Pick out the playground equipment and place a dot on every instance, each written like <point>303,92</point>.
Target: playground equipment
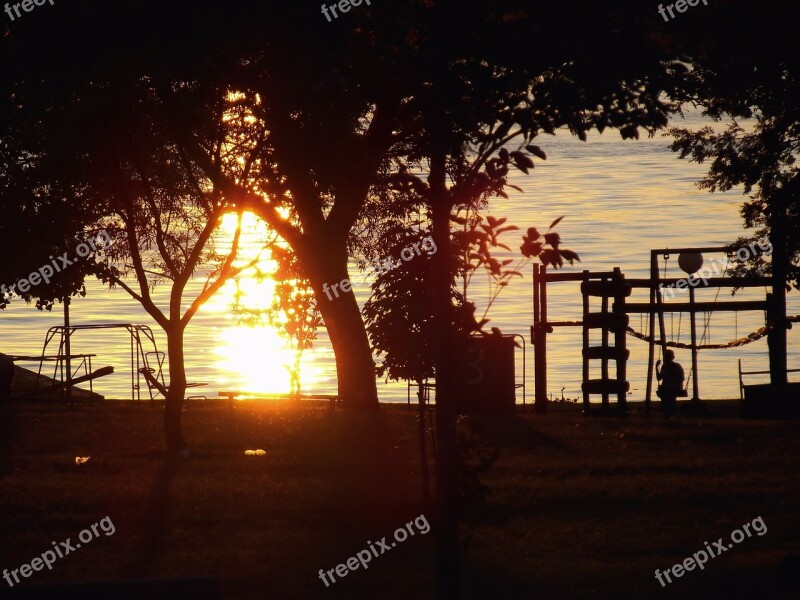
<point>611,319</point>
<point>65,386</point>
<point>139,358</point>
<point>606,287</point>
<point>657,307</point>
<point>613,284</point>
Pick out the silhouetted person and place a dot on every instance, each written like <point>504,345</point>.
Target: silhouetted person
<point>670,378</point>
<point>6,376</point>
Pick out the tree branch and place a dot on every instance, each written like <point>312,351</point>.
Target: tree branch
<point>212,289</point>
<point>156,213</point>
<point>146,302</point>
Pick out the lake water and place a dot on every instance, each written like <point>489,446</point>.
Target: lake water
<point>620,198</point>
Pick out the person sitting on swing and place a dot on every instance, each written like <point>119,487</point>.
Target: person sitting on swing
<point>671,379</point>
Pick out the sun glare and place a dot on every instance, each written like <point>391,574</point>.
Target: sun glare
<point>251,355</point>
<point>259,355</point>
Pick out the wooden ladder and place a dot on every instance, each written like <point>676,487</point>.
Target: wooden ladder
<point>610,319</point>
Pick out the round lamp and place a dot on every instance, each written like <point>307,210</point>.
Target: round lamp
<point>690,262</point>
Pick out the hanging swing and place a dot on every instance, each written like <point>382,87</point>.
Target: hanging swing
<point>683,393</point>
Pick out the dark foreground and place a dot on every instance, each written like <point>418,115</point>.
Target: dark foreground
<point>577,508</point>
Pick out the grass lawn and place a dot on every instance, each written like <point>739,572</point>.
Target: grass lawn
<point>578,507</point>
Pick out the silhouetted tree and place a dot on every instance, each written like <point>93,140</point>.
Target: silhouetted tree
<point>108,148</point>
<point>506,81</point>
<point>746,66</point>
<point>39,220</point>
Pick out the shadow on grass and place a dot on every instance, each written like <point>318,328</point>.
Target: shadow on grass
<point>9,436</point>
<point>515,432</point>
<point>156,515</point>
<point>366,477</point>
<point>482,581</point>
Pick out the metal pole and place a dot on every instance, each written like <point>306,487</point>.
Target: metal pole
<point>534,334</point>
<point>604,344</point>
<point>661,328</point>
<point>540,341</point>
<point>693,321</point>
<point>585,333</point>
<point>651,346</point>
<point>620,340</point>
<point>68,349</point>
<point>535,302</point>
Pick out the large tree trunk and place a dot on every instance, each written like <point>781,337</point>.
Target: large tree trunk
<point>777,339</point>
<point>176,391</point>
<point>355,367</point>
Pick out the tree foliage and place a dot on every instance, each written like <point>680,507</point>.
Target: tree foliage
<point>746,73</point>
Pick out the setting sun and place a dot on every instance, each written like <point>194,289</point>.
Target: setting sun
<point>258,354</point>
<point>250,355</point>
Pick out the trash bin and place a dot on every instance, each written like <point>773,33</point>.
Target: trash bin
<point>489,382</point>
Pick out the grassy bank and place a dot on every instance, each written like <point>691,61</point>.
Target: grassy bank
<point>578,507</point>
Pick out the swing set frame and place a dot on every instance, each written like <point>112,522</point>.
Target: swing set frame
<point>654,308</point>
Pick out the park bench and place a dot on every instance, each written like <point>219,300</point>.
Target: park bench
<point>742,386</point>
<point>231,395</point>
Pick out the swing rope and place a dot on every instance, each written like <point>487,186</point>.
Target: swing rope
<point>666,258</point>
<point>707,315</point>
<point>707,322</point>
